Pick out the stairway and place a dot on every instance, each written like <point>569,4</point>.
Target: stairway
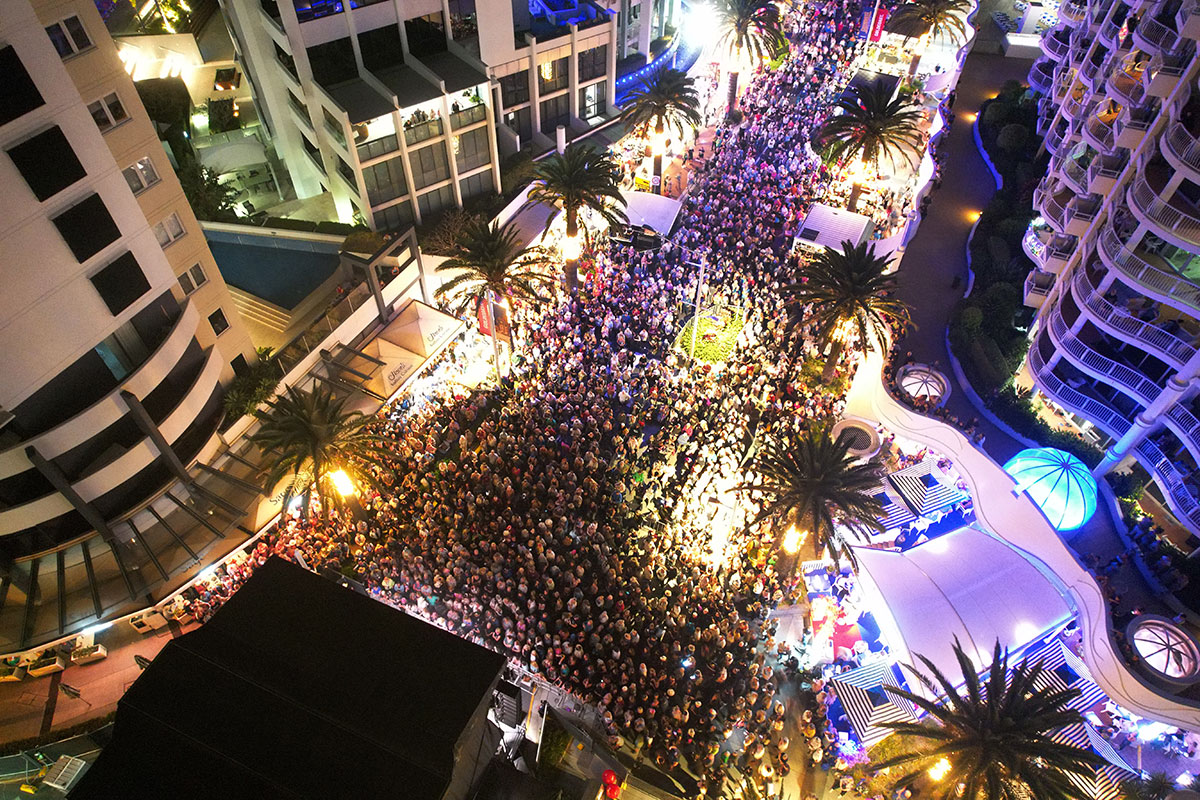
<point>260,311</point>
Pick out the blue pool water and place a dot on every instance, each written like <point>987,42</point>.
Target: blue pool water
<point>279,270</point>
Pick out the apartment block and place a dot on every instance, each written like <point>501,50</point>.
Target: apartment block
<point>1116,345</point>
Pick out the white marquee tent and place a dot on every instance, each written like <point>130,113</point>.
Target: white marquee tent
<point>967,584</point>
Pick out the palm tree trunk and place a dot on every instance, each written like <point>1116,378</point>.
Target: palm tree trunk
<point>831,362</point>
<point>656,182</point>
<point>731,100</point>
<point>495,339</point>
<point>571,267</point>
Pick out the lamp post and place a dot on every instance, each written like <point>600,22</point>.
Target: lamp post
<point>658,148</point>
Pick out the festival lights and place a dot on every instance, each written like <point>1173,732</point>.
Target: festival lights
<point>940,770</point>
<point>341,481</point>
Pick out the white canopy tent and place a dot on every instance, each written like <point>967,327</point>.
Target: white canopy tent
<point>233,156</point>
<point>966,584</point>
<point>411,339</point>
<point>652,210</point>
<point>829,226</point>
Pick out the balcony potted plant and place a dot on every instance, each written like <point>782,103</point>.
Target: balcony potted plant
<point>86,655</point>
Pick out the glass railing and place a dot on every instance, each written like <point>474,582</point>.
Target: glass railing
<point>422,131</point>
<point>468,116</point>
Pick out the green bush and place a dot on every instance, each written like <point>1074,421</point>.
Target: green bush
<point>338,228</point>
<point>555,741</point>
<point>1016,411</point>
<point>999,251</point>
<point>251,386</point>
<point>515,172</point>
<point>971,318</point>
<point>368,242</point>
<point>1013,137</point>
<point>285,224</point>
<point>994,115</point>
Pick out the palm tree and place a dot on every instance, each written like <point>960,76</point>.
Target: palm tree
<point>751,27</point>
<point>996,736</point>
<point>812,481</point>
<point>665,98</point>
<point>580,177</point>
<point>846,292</point>
<point>492,266</point>
<point>931,19</point>
<point>1155,786</point>
<point>868,122</point>
<point>310,436</point>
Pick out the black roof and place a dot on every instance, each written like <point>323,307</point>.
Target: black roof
<point>297,687</point>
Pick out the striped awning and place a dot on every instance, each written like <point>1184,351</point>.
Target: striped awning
<point>925,489</point>
<point>869,705</point>
<point>896,513</point>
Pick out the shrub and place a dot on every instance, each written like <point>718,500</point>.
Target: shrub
<point>515,171</point>
<point>1012,137</point>
<point>1017,412</point>
<point>439,236</point>
<point>221,117</point>
<point>209,198</point>
<point>338,228</point>
<point>998,250</point>
<point>368,242</point>
<point>995,114</point>
<point>970,319</point>
<point>251,386</point>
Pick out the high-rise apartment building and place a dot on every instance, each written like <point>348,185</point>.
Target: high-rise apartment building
<point>1117,338</point>
<point>402,109</point>
<point>117,331</point>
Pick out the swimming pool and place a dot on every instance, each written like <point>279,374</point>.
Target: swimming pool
<point>279,270</point>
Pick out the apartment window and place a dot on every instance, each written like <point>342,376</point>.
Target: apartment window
<point>108,112</point>
<point>141,176</point>
<point>472,149</point>
<point>429,166</point>
<point>121,283</point>
<point>169,230</point>
<point>520,122</point>
<point>193,279</point>
<point>347,173</point>
<point>591,100</point>
<point>514,88</point>
<point>87,227</point>
<point>300,108</point>
<point>385,181</point>
<point>593,63</point>
<point>434,201</point>
<point>47,162</point>
<point>553,75</point>
<point>476,185</point>
<point>334,126</point>
<point>20,95</point>
<point>218,322</point>
<point>555,111</point>
<point>394,217</point>
<point>69,37</point>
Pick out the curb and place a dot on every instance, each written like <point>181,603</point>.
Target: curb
<point>983,152</point>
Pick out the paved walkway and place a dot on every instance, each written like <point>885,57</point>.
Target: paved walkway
<point>937,257</point>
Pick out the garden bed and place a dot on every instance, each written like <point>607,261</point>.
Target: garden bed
<point>716,336</point>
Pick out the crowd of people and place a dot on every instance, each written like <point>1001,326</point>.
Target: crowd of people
<point>566,518</point>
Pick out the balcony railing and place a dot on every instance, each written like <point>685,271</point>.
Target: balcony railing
<point>1149,335</point>
<point>1185,423</point>
<point>1101,134</point>
<point>422,131</point>
<point>1146,274</point>
<point>1166,216</point>
<point>1182,145</point>
<point>468,116</point>
<point>1178,496</point>
<point>1105,416</point>
<point>1144,389</point>
<point>1156,35</point>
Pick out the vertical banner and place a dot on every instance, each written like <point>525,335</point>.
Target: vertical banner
<point>865,29</point>
<point>881,18</point>
<point>481,311</point>
<point>503,329</point>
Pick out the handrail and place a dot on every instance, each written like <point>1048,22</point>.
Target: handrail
<point>1101,131</point>
<point>1181,144</point>
<point>1144,273</point>
<point>1181,499</point>
<point>1152,336</point>
<point>1146,200</point>
<point>1100,413</point>
<point>1124,376</point>
<point>1130,89</point>
<point>1189,426</point>
<point>1158,35</point>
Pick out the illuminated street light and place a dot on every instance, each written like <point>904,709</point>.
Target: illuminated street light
<point>793,539</point>
<point>572,247</point>
<point>341,481</point>
<point>940,770</point>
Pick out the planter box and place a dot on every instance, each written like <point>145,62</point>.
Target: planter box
<point>86,655</point>
<point>12,674</point>
<point>47,666</point>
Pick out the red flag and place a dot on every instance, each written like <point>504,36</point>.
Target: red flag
<point>881,17</point>
<point>485,323</point>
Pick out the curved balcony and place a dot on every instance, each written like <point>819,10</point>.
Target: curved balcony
<point>84,425</point>
<point>1073,174</point>
<point>1154,279</point>
<point>1123,325</point>
<point>1177,225</point>
<point>1126,86</point>
<point>1077,104</point>
<point>1057,138</point>
<point>1124,378</point>
<point>1073,11</point>
<point>1053,207</point>
<point>1099,134</point>
<point>1183,423</point>
<point>1182,504</point>
<point>1098,412</point>
<point>1154,36</point>
<point>1041,76</point>
<point>1108,34</point>
<point>1057,43</point>
<point>1182,150</point>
